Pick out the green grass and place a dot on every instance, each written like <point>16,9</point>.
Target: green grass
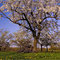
<point>29,56</point>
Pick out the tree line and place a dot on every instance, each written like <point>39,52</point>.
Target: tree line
<point>23,40</point>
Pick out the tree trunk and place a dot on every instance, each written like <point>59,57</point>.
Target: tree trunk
<point>41,47</point>
<point>0,49</point>
<point>35,44</point>
<point>46,48</point>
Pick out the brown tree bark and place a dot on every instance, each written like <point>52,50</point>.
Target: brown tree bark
<point>46,48</point>
<point>41,48</point>
<point>35,44</point>
<point>0,49</point>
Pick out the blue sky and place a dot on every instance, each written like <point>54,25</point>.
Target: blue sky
<point>7,25</point>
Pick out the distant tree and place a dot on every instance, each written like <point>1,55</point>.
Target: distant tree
<point>46,41</point>
<point>31,14</point>
<point>4,39</point>
<point>49,39</point>
<point>23,40</point>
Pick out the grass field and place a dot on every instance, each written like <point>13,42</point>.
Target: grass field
<point>29,56</point>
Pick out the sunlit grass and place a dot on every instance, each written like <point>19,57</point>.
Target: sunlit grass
<point>29,56</point>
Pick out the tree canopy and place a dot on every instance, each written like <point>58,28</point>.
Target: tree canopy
<point>34,15</point>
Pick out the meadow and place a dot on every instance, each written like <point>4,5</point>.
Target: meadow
<point>29,56</point>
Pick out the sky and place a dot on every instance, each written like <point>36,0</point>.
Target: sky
<point>7,25</point>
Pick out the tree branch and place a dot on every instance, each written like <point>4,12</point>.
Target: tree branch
<point>26,20</point>
<point>46,18</point>
<point>13,21</point>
